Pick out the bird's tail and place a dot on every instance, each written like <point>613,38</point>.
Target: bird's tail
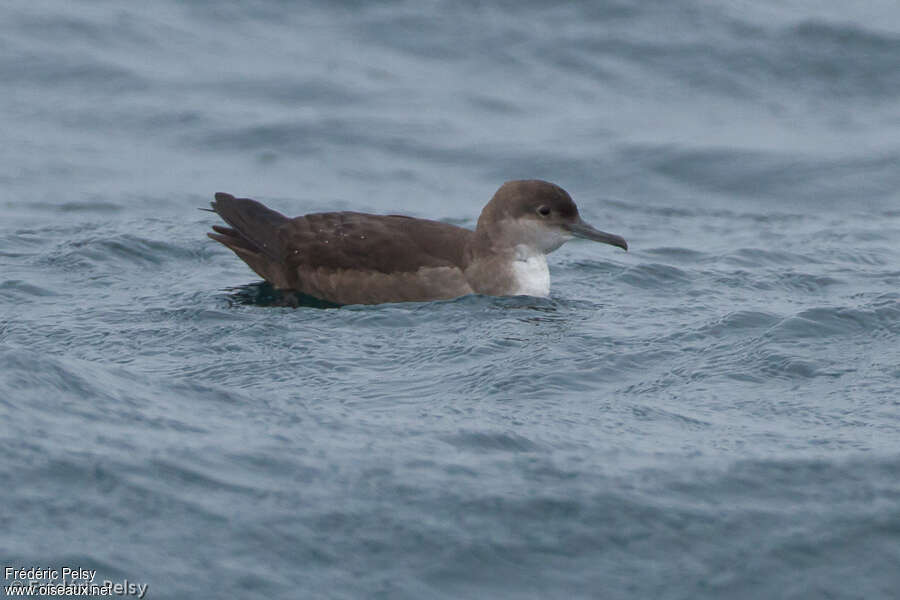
<point>252,233</point>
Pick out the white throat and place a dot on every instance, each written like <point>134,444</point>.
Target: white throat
<point>530,272</point>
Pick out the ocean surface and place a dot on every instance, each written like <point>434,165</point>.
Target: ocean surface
<point>714,414</point>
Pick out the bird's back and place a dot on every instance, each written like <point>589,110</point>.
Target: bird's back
<point>347,257</point>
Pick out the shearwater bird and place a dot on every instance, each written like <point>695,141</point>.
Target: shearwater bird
<point>357,258</point>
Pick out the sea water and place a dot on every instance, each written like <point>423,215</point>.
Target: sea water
<point>714,414</point>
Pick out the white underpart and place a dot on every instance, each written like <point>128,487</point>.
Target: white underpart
<point>531,273</point>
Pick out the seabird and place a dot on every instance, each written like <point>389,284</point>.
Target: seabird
<point>358,258</point>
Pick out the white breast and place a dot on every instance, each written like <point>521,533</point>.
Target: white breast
<point>532,275</point>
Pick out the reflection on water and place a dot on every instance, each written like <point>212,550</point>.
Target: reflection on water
<point>263,293</point>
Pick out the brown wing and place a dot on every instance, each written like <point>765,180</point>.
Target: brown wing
<point>348,240</point>
<point>351,257</point>
<point>346,257</point>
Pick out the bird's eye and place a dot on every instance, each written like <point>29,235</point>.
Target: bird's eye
<point>544,211</point>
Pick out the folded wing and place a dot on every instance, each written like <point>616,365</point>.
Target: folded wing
<point>346,257</point>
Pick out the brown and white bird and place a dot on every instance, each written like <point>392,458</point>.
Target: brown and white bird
<point>358,258</point>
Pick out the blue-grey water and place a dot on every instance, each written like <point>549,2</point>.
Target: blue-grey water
<point>715,414</point>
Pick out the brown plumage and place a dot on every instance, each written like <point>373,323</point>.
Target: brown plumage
<point>357,258</point>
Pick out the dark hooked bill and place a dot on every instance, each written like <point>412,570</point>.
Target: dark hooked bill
<point>583,230</point>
